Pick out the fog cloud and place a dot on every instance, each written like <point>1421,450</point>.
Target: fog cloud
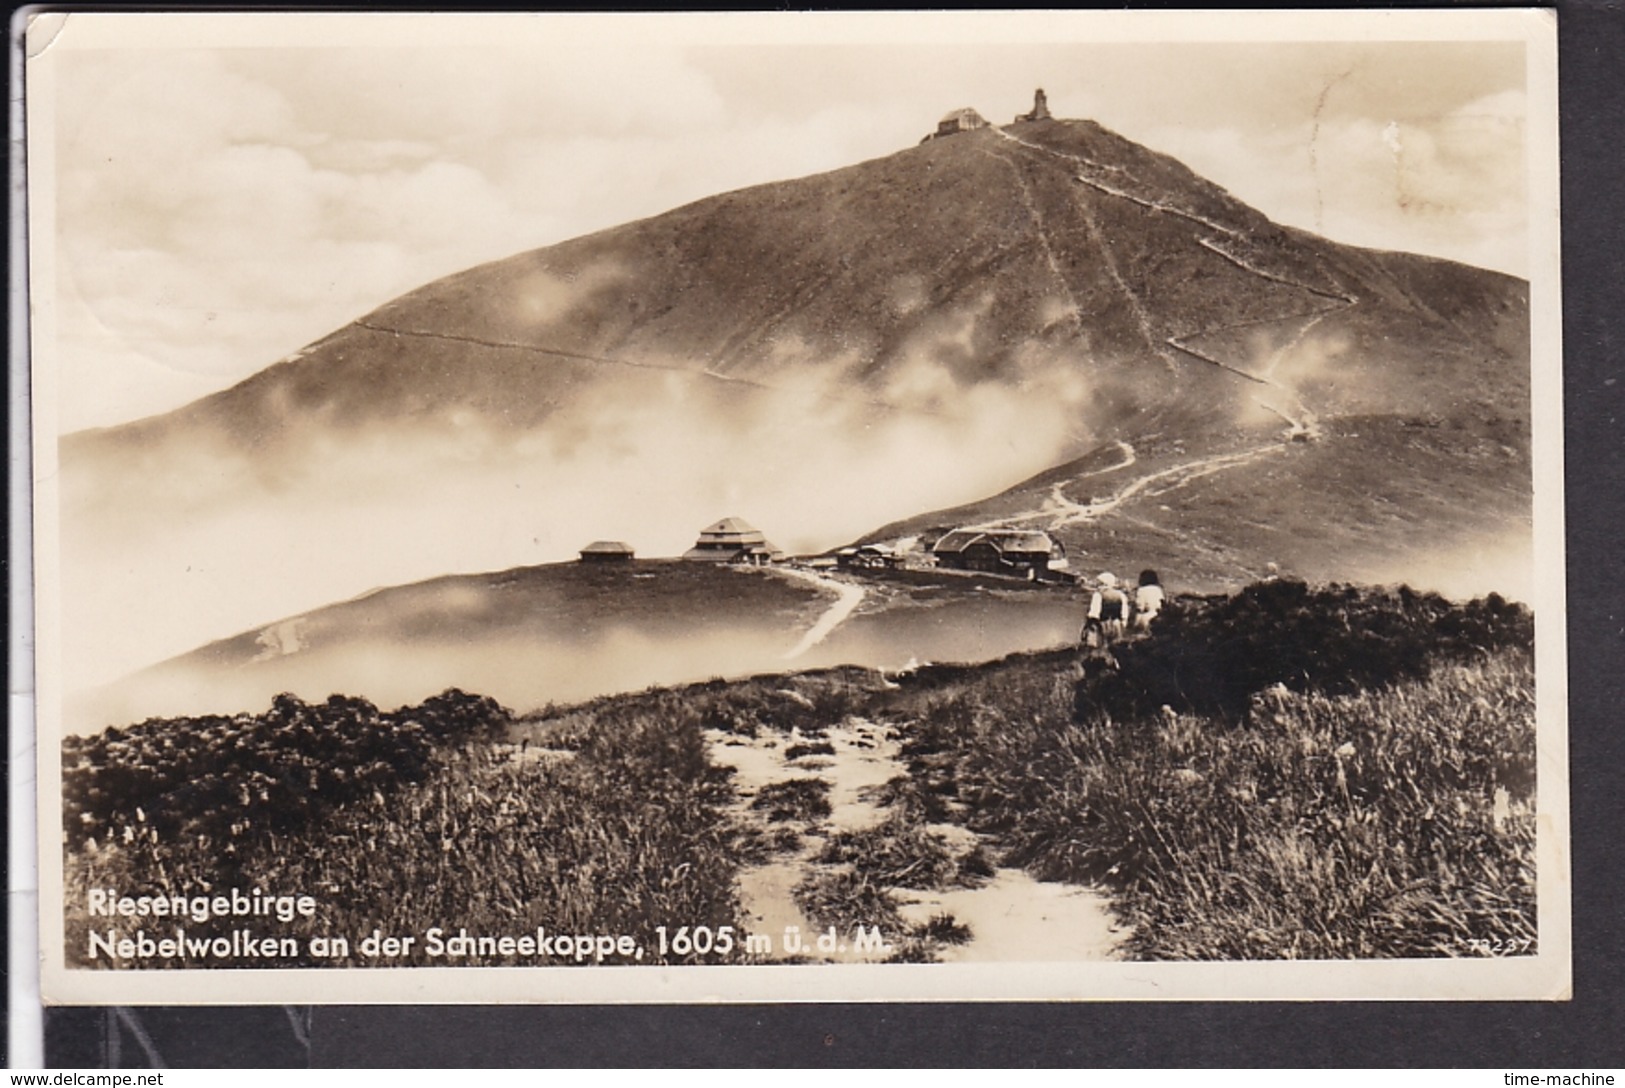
<point>219,543</point>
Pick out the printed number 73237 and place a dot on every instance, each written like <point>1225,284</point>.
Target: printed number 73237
<point>1514,946</point>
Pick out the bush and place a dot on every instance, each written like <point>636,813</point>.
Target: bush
<point>1210,656</point>
<point>219,779</point>
<point>626,835</point>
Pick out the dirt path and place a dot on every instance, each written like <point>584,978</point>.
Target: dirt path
<point>848,596</point>
<point>862,756</point>
<point>1175,477</point>
<point>1074,308</point>
<point>1014,918</point>
<point>1059,509</point>
<point>1058,503</point>
<point>1010,916</point>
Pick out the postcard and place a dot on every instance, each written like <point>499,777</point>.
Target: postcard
<point>798,507</point>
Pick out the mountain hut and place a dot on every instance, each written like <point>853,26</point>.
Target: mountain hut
<point>606,551</point>
<point>866,557</point>
<point>1001,551</point>
<point>963,120</point>
<point>733,540</point>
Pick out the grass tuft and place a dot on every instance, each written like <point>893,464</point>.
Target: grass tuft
<point>944,929</point>
<point>803,799</point>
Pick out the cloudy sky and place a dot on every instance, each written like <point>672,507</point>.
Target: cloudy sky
<point>227,189</point>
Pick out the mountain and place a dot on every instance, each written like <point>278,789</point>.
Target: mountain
<point>998,255</point>
<point>900,343</point>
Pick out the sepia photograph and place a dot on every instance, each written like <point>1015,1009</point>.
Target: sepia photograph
<point>771,507</point>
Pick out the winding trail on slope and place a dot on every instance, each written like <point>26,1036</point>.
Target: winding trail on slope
<point>1060,510</point>
<point>536,349</point>
<point>848,596</point>
<point>1058,497</point>
<point>1176,477</point>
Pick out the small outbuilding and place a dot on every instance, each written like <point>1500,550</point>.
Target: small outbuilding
<point>733,540</point>
<point>1001,551</point>
<point>606,551</point>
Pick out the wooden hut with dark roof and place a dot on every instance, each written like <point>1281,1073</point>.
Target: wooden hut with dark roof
<point>866,557</point>
<point>1001,551</point>
<point>733,540</point>
<point>606,551</point>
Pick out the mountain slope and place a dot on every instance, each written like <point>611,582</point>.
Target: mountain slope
<point>1373,498</point>
<point>991,256</point>
<point>564,632</point>
<point>825,356</point>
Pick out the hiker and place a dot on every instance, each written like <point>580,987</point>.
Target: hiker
<point>1148,598</point>
<point>1108,611</point>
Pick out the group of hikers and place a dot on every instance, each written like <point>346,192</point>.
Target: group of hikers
<point>1115,610</point>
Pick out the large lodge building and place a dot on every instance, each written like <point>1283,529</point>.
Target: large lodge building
<point>733,540</point>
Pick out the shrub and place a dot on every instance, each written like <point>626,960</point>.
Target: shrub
<point>625,836</point>
<point>221,778</point>
<point>1211,656</point>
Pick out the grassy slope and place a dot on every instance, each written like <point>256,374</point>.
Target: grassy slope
<point>1395,822</point>
<point>532,635</point>
<point>1275,774</point>
<point>935,253</point>
<point>565,632</point>
<point>1336,774</point>
<point>577,601</point>
<point>1376,494</point>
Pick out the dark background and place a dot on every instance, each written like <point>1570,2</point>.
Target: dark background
<point>1582,1033</point>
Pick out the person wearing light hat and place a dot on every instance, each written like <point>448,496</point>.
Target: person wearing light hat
<point>1108,611</point>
